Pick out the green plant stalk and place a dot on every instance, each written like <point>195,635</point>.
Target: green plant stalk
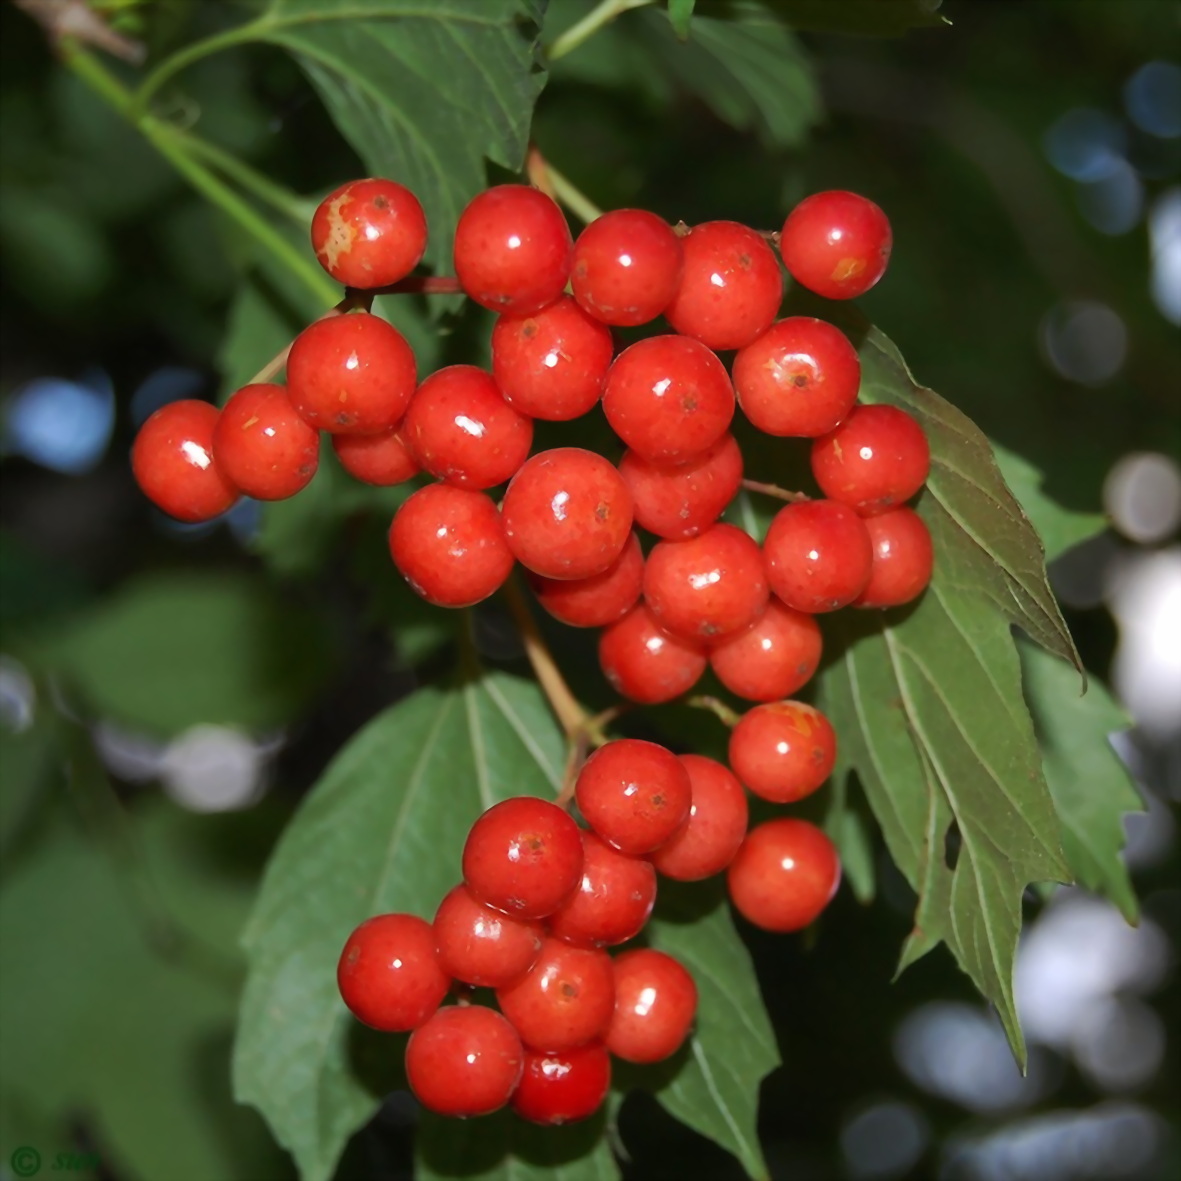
<point>572,197</point>
<point>590,24</point>
<point>280,199</point>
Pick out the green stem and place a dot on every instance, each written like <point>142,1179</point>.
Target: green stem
<point>173,65</point>
<point>572,197</point>
<point>602,14</point>
<point>279,198</point>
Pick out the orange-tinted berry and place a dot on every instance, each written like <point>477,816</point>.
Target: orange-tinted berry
<point>783,751</point>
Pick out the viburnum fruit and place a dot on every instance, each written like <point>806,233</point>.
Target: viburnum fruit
<point>836,244</point>
<point>771,659</point>
<point>903,558</point>
<point>263,446</point>
<point>655,1003</point>
<point>818,555</point>
<point>612,902</point>
<point>785,874</point>
<point>382,459</point>
<point>561,1087</point>
<point>598,600</point>
<point>482,946</point>
<point>783,751</point>
<point>707,842</point>
<point>644,663</point>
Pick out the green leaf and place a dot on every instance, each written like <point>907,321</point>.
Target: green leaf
<point>30,761</point>
<point>680,15</point>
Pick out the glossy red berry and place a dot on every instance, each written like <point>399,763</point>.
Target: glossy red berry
<point>877,459</point>
<point>731,287</point>
<point>707,842</point>
<point>612,902</point>
<point>567,513</point>
<point>799,379</point>
<point>634,794</point>
<point>561,1087</point>
<point>783,751</point>
<point>679,502</point>
<point>818,555</point>
<point>668,398</point>
<point>565,1000</point>
<point>482,946</point>
<point>512,249</point>
<point>644,663</point>
<point>785,874</point>
<point>627,267</point>
<point>836,244</point>
<point>598,600</point>
<point>262,446</point>
<point>707,586</point>
<point>382,460</point>
<point>369,233</point>
<point>771,659</point>
<point>449,544</point>
<point>903,558</point>
<point>465,1061</point>
<point>655,1003</point>
<point>172,460</point>
<point>523,857</point>
<point>388,975</point>
<point>552,364</point>
<point>461,430</point>
<point>352,374</point>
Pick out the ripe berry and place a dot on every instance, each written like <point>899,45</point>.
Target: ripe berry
<point>668,398</point>
<point>679,502</point>
<point>262,446</point>
<point>465,1061</point>
<point>612,902</point>
<point>600,599</point>
<point>634,794</point>
<point>352,374</point>
<point>564,1000</point>
<point>383,460</point>
<point>552,364</point>
<point>715,828</point>
<point>449,545</point>
<point>783,751</point>
<point>172,460</point>
<point>369,233</point>
<point>388,975</point>
<point>481,946</point>
<point>559,1088</point>
<point>772,658</point>
<point>902,559</point>
<point>707,586</point>
<point>836,244</point>
<point>731,287</point>
<point>627,267</point>
<point>874,461</point>
<point>785,874</point>
<point>523,857</point>
<point>818,555</point>
<point>512,249</point>
<point>461,430</point>
<point>799,379</point>
<point>567,513</point>
<point>655,1003</point>
<point>644,663</point>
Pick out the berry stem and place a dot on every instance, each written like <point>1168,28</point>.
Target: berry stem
<point>775,491</point>
<point>544,176</point>
<point>720,709</point>
<point>603,14</point>
<point>421,285</point>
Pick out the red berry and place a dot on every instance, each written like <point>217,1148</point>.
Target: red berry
<point>785,874</point>
<point>172,459</point>
<point>481,946</point>
<point>382,459</point>
<point>600,599</point>
<point>523,857</point>
<point>836,244</point>
<point>731,287</point>
<point>902,559</point>
<point>262,446</point>
<point>612,902</point>
<point>552,364</point>
<point>369,233</point>
<point>567,513</point>
<point>799,379</point>
<point>655,1003</point>
<point>512,249</point>
<point>678,502</point>
<point>388,975</point>
<point>449,545</point>
<point>874,461</point>
<point>715,828</point>
<point>644,663</point>
<point>466,1060</point>
<point>783,751</point>
<point>559,1088</point>
<point>352,374</point>
<point>634,794</point>
<point>627,267</point>
<point>818,555</point>
<point>707,586</point>
<point>461,430</point>
<point>772,658</point>
<point>668,398</point>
